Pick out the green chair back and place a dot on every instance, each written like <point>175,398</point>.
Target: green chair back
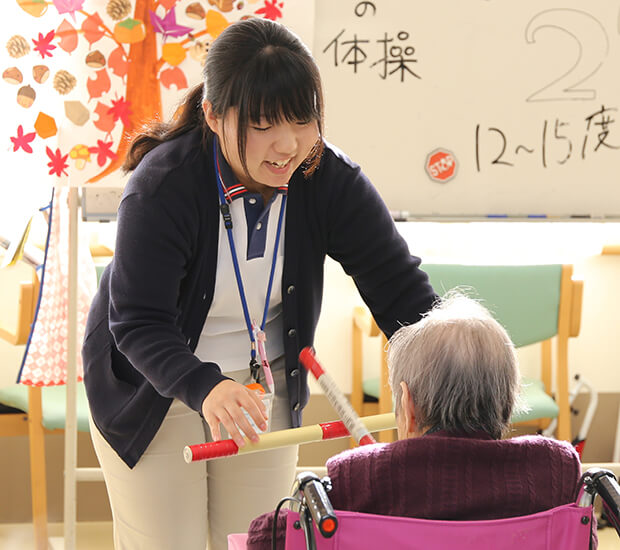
<point>525,299</point>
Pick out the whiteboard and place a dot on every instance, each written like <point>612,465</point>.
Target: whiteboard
<point>477,107</point>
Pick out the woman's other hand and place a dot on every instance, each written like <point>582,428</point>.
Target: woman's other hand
<point>226,403</point>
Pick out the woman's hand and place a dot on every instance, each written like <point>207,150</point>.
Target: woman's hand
<point>225,404</point>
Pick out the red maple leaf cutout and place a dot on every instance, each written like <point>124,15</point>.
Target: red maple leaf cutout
<point>22,140</point>
<point>271,10</point>
<point>103,151</point>
<point>57,163</point>
<point>43,44</point>
<point>120,109</point>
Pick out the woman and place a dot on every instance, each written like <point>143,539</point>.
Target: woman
<point>455,382</point>
<point>222,234</point>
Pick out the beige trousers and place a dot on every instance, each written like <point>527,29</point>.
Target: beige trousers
<point>165,504</point>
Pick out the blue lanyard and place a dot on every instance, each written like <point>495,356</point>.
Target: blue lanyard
<point>228,224</point>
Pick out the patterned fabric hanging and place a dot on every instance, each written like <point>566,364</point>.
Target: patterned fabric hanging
<point>45,358</point>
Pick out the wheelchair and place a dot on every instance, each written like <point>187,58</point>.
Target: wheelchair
<point>314,525</point>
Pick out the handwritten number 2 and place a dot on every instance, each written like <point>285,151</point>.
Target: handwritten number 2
<point>593,45</point>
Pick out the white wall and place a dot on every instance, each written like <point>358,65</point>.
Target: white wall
<point>595,354</point>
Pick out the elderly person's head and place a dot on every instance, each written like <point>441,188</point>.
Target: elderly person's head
<point>455,370</point>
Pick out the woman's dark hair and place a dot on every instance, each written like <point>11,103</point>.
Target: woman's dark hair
<point>258,67</point>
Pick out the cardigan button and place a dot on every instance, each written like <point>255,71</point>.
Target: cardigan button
<point>292,333</point>
<point>294,373</point>
<point>290,289</point>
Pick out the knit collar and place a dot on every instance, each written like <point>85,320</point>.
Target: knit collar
<point>438,432</point>
<point>232,188</point>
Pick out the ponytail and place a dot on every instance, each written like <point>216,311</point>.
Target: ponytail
<point>188,116</point>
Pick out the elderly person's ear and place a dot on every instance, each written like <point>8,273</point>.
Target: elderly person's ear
<point>407,425</point>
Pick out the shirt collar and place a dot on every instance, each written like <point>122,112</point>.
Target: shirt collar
<point>232,188</point>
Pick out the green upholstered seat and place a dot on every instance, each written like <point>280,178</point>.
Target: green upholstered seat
<point>53,399</point>
<point>540,404</point>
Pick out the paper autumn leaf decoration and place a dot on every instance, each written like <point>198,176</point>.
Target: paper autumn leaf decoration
<point>93,28</point>
<point>68,36</point>
<point>271,10</point>
<point>120,109</point>
<point>99,85</point>
<point>103,151</point>
<point>167,26</point>
<point>173,53</point>
<point>22,140</point>
<point>68,6</point>
<point>173,77</point>
<point>216,23</point>
<point>117,62</point>
<point>106,121</point>
<point>167,4</point>
<point>43,44</point>
<point>45,126</point>
<point>57,163</point>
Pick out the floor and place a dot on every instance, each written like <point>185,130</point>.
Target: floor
<point>98,536</point>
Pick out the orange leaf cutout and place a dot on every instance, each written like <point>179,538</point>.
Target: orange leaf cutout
<point>99,85</point>
<point>68,36</point>
<point>173,53</point>
<point>173,77</point>
<point>168,4</point>
<point>93,28</point>
<point>216,23</point>
<point>45,126</point>
<point>105,122</point>
<point>117,62</point>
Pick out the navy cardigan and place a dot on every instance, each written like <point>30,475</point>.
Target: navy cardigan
<point>154,296</point>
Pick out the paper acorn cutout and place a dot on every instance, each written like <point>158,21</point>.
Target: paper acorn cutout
<point>26,96</point>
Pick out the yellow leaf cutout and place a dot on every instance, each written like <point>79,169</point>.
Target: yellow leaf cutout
<point>45,126</point>
<point>216,23</point>
<point>173,53</point>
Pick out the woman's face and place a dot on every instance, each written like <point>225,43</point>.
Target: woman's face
<point>273,152</point>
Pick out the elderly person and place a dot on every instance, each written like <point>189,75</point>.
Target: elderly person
<point>455,383</point>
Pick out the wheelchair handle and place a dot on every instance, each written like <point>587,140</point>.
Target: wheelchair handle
<point>317,502</point>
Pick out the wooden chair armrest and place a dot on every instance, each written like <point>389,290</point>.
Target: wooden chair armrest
<point>27,290</point>
<point>577,300</point>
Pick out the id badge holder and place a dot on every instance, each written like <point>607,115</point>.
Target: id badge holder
<point>267,399</point>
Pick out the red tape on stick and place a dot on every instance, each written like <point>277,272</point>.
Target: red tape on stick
<point>205,451</point>
<point>336,398</point>
<point>334,430</point>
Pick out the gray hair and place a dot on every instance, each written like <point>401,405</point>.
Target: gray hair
<point>460,367</point>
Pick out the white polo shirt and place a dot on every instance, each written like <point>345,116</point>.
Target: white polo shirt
<point>224,339</point>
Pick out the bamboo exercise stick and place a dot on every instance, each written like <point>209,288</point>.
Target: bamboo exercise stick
<point>283,438</point>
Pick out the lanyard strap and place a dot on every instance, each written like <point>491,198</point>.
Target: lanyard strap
<point>228,224</point>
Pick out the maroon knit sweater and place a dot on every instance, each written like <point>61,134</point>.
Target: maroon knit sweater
<point>449,477</point>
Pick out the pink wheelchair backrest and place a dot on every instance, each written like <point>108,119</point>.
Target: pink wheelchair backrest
<point>565,527</point>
